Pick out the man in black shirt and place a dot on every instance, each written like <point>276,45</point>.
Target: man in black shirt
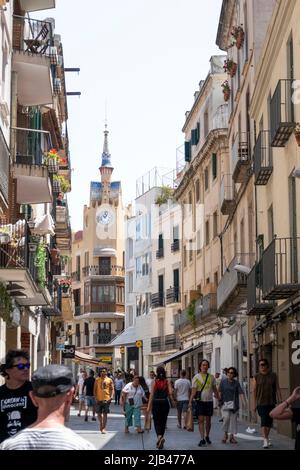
<point>285,411</point>
<point>88,390</point>
<point>16,408</point>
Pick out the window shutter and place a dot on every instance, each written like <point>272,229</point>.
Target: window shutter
<point>214,165</point>
<point>198,133</point>
<point>187,151</point>
<point>194,137</point>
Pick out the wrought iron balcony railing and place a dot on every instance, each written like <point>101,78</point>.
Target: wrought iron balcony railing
<point>282,113</point>
<point>157,300</point>
<point>29,145</point>
<point>160,253</point>
<point>32,36</point>
<point>165,343</point>
<point>263,162</point>
<point>103,338</point>
<point>103,271</point>
<point>255,303</point>
<point>175,246</point>
<point>172,295</point>
<point>227,201</point>
<point>281,269</point>
<point>241,158</point>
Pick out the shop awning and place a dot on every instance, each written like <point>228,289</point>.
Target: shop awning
<point>126,337</point>
<point>179,354</point>
<point>86,358</point>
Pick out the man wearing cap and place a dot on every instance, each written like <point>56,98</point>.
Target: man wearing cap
<point>16,408</point>
<point>103,392</point>
<point>52,392</point>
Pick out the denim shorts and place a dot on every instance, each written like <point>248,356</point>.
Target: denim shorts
<point>182,406</point>
<point>90,401</point>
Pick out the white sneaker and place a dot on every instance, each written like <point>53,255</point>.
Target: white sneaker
<point>269,443</point>
<point>266,444</point>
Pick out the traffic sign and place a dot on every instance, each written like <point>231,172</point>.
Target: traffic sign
<point>60,347</point>
<point>69,351</point>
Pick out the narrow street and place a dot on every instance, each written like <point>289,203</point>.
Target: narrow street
<point>176,439</point>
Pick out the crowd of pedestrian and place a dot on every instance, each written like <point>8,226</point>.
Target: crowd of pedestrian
<point>33,413</point>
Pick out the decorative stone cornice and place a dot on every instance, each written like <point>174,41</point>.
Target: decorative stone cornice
<point>224,23</point>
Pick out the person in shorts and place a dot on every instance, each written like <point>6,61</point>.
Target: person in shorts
<point>266,391</point>
<point>103,393</point>
<point>203,389</point>
<point>79,391</point>
<point>182,391</point>
<point>286,411</point>
<point>88,389</point>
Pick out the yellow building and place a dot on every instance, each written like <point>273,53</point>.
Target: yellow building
<point>98,267</point>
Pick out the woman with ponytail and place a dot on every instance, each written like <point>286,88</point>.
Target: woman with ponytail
<point>161,392</point>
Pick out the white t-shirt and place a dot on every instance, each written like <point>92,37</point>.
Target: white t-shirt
<point>182,387</point>
<point>80,385</point>
<point>60,438</point>
<point>134,392</point>
<point>207,392</point>
<point>149,382</point>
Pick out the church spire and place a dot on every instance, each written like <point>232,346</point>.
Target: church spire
<point>106,157</point>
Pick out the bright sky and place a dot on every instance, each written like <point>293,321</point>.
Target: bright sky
<point>144,58</point>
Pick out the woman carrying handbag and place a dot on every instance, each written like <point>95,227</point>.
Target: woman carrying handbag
<point>230,391</point>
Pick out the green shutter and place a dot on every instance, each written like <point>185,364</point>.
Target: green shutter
<point>214,165</point>
<point>194,137</point>
<point>187,151</point>
<point>198,132</point>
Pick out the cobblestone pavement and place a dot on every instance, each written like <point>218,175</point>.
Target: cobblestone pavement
<point>176,439</point>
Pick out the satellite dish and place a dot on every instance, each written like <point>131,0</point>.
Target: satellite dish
<point>240,268</point>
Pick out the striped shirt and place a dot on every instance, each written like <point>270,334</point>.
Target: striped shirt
<point>60,438</point>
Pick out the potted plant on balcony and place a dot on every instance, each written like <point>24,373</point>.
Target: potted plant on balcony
<point>238,34</point>
<point>40,264</point>
<point>60,184</point>
<point>191,310</point>
<point>165,195</point>
<point>6,307</point>
<point>297,133</point>
<point>65,284</point>
<point>230,67</point>
<point>226,90</point>
<point>52,160</point>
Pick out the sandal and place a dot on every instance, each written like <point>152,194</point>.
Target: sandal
<point>225,438</point>
<point>161,443</point>
<point>232,440</point>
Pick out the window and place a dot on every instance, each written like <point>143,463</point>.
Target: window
<point>138,305</point>
<point>130,248</point>
<point>206,179</point>
<point>145,265</point>
<point>190,201</point>
<point>198,132</point>
<point>215,224</point>
<point>206,124</point>
<point>187,151</point>
<point>207,232</point>
<point>198,242</point>
<point>270,223</point>
<point>87,297</point>
<point>216,278</point>
<point>184,256</point>
<point>86,258</point>
<point>130,282</point>
<point>103,294</point>
<point>130,315</point>
<point>78,268</point>
<point>175,233</point>
<point>214,166</point>
<point>191,250</point>
<point>138,229</point>
<point>194,137</point>
<point>76,295</point>
<point>138,266</point>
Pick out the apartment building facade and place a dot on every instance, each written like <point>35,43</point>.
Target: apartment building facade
<point>31,263</point>
<point>202,332</point>
<point>273,285</point>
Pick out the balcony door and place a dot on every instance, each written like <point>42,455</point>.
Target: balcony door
<point>104,332</point>
<point>105,266</point>
<point>176,284</point>
<point>161,289</point>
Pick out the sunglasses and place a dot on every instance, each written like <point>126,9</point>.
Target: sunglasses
<point>22,366</point>
<point>263,364</point>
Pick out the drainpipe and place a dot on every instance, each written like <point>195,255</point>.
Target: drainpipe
<point>14,109</point>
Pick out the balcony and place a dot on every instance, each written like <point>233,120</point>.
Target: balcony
<point>173,295</point>
<point>88,271</point>
<point>104,309</point>
<point>165,343</point>
<point>33,53</point>
<point>17,268</point>
<point>281,268</point>
<point>157,300</point>
<point>255,303</point>
<point>227,200</point>
<point>160,253</point>
<point>61,217</point>
<point>103,338</point>
<point>75,276</point>
<point>282,113</point>
<point>28,148</point>
<point>79,310</point>
<point>263,162</point>
<point>232,289</point>
<point>241,160</point>
<point>4,168</point>
<point>175,246</point>
<point>205,311</point>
